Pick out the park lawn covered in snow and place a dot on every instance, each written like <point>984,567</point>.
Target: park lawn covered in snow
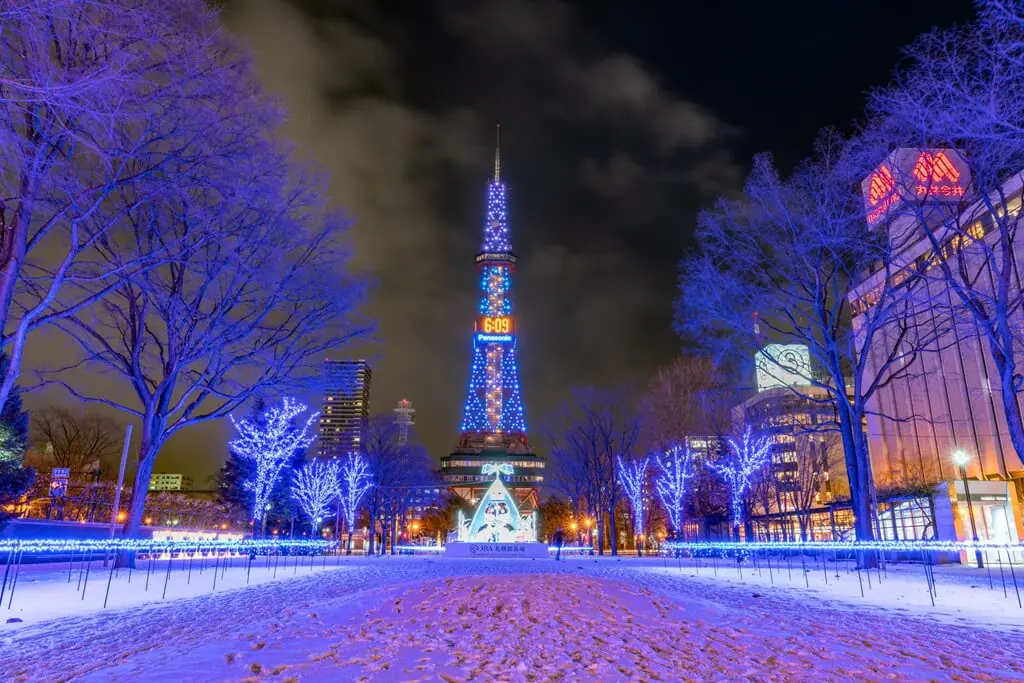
<point>435,619</point>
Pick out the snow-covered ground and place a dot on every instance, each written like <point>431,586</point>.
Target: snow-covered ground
<point>417,618</point>
<point>48,591</point>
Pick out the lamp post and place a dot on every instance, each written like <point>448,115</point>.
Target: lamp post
<point>961,458</point>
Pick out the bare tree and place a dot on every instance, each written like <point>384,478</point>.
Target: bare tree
<point>399,467</point>
<point>168,508</point>
<point>685,399</point>
<point>591,431</point>
<point>567,470</point>
<point>707,498</point>
<point>556,513</point>
<point>763,497</point>
<point>415,475</point>
<point>807,486</point>
<point>782,261</point>
<point>94,97</point>
<point>79,442</point>
<point>249,297</point>
<point>961,89</point>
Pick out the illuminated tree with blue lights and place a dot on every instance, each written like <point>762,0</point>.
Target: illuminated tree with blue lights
<point>315,486</point>
<point>633,477</point>
<point>355,480</point>
<point>747,458</point>
<point>676,469</point>
<point>269,439</point>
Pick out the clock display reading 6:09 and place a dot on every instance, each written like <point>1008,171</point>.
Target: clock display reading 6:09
<point>495,325</point>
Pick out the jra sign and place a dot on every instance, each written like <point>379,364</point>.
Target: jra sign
<point>523,550</point>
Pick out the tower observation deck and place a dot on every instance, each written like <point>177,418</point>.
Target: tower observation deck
<point>493,428</point>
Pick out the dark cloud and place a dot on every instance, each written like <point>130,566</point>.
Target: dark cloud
<point>399,107</point>
<point>618,90</point>
<point>616,176</point>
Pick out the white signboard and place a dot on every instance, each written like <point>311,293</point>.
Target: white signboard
<point>783,365</point>
<point>531,550</point>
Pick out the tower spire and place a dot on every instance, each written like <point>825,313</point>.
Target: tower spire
<point>497,153</point>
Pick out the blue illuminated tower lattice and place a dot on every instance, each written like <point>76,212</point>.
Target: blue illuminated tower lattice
<point>493,411</point>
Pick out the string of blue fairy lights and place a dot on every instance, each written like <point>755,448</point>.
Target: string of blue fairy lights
<point>148,545</point>
<point>842,546</point>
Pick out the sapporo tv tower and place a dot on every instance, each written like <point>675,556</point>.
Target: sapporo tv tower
<point>493,429</point>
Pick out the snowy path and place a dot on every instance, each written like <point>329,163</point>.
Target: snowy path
<point>435,619</point>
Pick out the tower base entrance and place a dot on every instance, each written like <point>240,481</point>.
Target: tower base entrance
<point>462,471</point>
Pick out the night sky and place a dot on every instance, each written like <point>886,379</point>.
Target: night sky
<point>619,120</point>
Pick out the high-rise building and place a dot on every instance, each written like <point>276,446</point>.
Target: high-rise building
<point>493,430</point>
<point>405,417</point>
<point>346,406</point>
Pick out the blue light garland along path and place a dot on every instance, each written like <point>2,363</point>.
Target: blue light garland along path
<point>819,552</point>
<point>843,546</point>
<point>181,552</point>
<point>147,545</point>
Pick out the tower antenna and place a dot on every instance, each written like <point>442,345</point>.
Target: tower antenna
<point>497,153</point>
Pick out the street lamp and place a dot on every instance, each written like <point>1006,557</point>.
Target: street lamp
<point>961,458</point>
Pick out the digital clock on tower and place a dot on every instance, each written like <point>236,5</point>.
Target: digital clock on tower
<point>502,324</point>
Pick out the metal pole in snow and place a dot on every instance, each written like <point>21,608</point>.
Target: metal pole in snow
<point>120,480</point>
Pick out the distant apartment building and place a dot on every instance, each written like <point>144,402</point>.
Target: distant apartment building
<point>162,481</point>
<point>950,399</point>
<point>346,406</point>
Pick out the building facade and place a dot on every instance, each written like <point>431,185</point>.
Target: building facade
<point>493,429</point>
<point>346,406</point>
<point>162,481</point>
<point>806,471</point>
<point>950,399</point>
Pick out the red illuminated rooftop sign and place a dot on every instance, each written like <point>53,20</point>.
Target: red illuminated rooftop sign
<point>881,192</point>
<point>935,168</point>
<point>939,174</point>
